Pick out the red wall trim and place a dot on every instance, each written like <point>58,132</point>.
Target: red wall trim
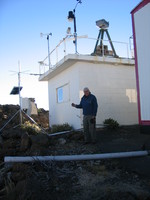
<point>140,5</point>
<point>136,70</point>
<point>145,122</point>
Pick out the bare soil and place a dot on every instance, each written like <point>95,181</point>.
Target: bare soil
<point>112,179</point>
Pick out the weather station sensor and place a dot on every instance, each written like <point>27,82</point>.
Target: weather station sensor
<point>103,24</point>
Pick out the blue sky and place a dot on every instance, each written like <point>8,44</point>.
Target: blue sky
<point>22,21</point>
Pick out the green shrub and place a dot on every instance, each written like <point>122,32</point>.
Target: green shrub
<point>111,123</point>
<point>32,129</point>
<point>60,127</point>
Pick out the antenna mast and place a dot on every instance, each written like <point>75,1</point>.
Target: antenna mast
<point>19,80</point>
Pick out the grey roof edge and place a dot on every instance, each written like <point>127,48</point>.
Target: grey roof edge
<point>71,59</point>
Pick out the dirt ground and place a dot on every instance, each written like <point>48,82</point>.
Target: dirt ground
<point>111,179</point>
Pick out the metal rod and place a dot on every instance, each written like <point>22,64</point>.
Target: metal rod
<point>97,41</point>
<point>75,33</point>
<point>19,88</point>
<point>127,51</point>
<point>111,44</point>
<point>59,133</point>
<point>19,79</point>
<point>34,122</point>
<point>49,63</point>
<point>9,120</point>
<point>14,159</point>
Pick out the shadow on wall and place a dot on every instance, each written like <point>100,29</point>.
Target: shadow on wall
<point>118,105</point>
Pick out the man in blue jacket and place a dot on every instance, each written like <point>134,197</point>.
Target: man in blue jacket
<point>89,105</point>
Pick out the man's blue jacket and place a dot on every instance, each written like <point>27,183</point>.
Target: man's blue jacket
<point>88,104</point>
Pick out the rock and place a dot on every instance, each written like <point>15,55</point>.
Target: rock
<point>40,144</point>
<point>6,134</point>
<point>10,144</point>
<point>20,187</point>
<point>40,140</point>
<point>61,141</point>
<point>17,167</point>
<point>80,169</point>
<point>1,142</point>
<point>15,134</point>
<point>18,176</point>
<point>19,172</point>
<point>25,142</point>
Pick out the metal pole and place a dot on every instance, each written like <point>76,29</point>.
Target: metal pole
<point>64,46</point>
<point>75,32</point>
<point>97,41</point>
<point>34,122</point>
<point>48,52</point>
<point>19,93</point>
<point>111,44</point>
<point>57,55</point>
<point>127,51</point>
<point>75,29</point>
<point>9,120</point>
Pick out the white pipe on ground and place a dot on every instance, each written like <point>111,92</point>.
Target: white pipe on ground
<point>8,159</point>
<point>58,133</point>
<point>63,132</point>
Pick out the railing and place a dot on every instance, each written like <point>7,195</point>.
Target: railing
<point>85,46</point>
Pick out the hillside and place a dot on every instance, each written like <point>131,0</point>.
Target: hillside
<point>113,179</point>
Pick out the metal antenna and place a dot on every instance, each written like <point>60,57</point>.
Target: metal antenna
<point>72,17</point>
<point>47,36</point>
<point>19,79</point>
<point>17,90</point>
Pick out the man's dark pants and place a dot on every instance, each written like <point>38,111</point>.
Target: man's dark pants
<point>89,128</point>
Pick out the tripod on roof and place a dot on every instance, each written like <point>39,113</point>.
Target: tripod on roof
<point>103,49</point>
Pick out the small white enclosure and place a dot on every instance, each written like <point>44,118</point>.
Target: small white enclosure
<point>29,106</point>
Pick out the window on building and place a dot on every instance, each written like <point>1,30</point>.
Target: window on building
<point>60,95</point>
<point>63,93</point>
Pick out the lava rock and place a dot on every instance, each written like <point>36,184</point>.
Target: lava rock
<point>40,140</point>
<point>61,141</point>
<point>25,142</point>
<point>1,142</point>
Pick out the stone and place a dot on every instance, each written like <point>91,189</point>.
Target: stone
<point>20,186</point>
<point>40,140</point>
<point>25,142</point>
<point>15,134</point>
<point>1,142</point>
<point>18,176</point>
<point>61,141</point>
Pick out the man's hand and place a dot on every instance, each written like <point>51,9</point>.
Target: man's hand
<point>73,105</point>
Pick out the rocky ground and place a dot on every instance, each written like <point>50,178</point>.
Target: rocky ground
<point>112,179</point>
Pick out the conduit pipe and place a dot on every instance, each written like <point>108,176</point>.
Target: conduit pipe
<point>58,133</point>
<point>63,132</point>
<point>8,159</point>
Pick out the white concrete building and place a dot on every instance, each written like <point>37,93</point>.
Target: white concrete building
<point>111,80</point>
<point>141,35</point>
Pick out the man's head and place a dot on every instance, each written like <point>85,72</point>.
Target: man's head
<point>86,91</point>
